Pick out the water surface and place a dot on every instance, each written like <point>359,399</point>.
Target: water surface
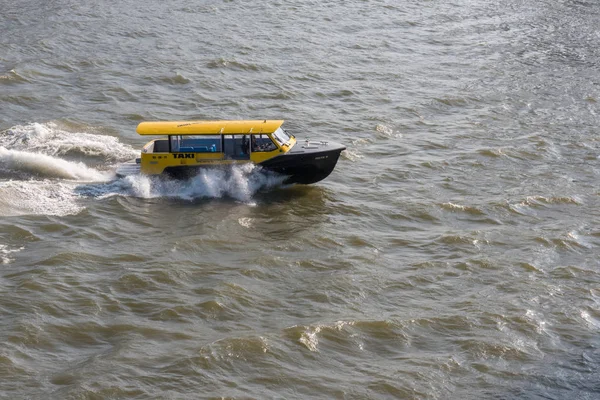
<point>451,254</point>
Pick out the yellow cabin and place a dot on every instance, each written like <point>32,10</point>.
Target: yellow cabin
<point>190,145</point>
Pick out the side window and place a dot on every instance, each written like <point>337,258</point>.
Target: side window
<point>237,147</point>
<point>199,144</point>
<point>262,143</point>
<point>175,143</point>
<point>229,145</point>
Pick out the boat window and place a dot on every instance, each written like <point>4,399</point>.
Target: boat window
<point>196,144</point>
<point>175,142</point>
<point>237,147</point>
<point>281,136</point>
<point>160,146</point>
<point>262,143</point>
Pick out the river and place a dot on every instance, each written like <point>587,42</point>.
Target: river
<point>452,253</point>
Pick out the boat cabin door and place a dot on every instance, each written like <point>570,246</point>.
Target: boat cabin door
<point>236,147</point>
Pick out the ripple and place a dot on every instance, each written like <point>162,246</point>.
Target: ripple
<point>494,153</point>
<point>244,348</point>
<point>541,200</point>
<point>457,240</point>
<point>233,65</point>
<point>452,101</point>
<point>20,100</point>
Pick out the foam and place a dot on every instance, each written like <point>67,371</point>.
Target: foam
<point>246,222</point>
<point>38,197</point>
<point>238,182</point>
<point>5,251</point>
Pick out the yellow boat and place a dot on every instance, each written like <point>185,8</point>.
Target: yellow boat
<point>192,145</point>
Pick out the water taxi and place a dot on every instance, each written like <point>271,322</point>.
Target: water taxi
<point>192,145</point>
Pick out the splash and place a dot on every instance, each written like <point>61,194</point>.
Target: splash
<point>238,182</point>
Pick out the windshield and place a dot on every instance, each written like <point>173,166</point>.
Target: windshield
<point>281,137</point>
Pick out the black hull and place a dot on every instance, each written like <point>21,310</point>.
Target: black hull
<point>307,164</point>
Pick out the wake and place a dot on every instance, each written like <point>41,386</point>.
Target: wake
<point>45,166</point>
<point>39,176</point>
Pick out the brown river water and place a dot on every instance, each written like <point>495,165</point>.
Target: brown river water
<point>452,254</point>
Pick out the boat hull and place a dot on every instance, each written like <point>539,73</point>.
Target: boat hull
<point>306,164</point>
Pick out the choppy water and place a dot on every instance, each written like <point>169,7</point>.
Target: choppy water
<point>453,253</point>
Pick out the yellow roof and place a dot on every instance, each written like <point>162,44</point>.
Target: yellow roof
<point>208,127</point>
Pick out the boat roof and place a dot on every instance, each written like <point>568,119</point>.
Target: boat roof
<point>208,127</point>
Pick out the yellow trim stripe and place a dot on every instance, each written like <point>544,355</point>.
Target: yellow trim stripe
<point>208,127</point>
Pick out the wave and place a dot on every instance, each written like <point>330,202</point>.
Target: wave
<point>177,79</point>
<point>453,207</point>
<point>350,334</point>
<point>531,203</point>
<point>385,131</point>
<point>12,77</point>
<point>351,155</point>
<point>309,336</point>
<point>542,200</point>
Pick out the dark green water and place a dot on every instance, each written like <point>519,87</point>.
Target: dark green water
<point>452,254</point>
